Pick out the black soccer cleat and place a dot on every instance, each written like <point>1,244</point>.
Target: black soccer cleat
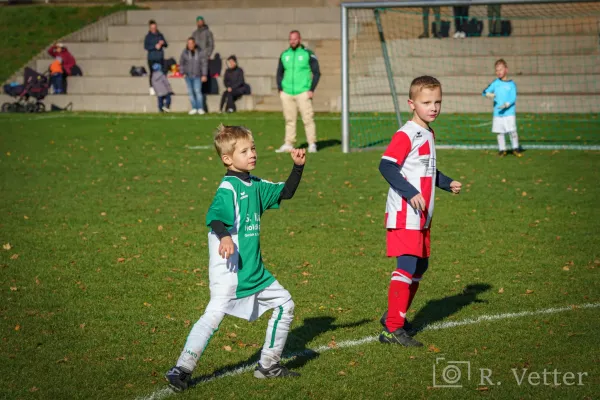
<point>178,378</point>
<point>407,325</point>
<point>275,371</point>
<point>399,336</point>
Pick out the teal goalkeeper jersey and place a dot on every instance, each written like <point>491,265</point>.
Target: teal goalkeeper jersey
<point>240,205</point>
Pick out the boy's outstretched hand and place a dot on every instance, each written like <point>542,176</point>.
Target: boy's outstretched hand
<point>455,186</point>
<point>226,248</point>
<point>299,156</point>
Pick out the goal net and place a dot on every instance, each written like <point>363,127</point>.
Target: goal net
<point>552,50</point>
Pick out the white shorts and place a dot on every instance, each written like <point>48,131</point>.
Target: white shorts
<point>504,124</point>
<point>251,307</point>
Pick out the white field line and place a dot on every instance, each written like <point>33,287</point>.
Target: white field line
<point>166,392</point>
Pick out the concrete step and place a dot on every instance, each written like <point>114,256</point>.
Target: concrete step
<point>473,103</point>
<point>321,103</point>
<point>299,15</point>
<point>451,66</point>
<point>261,85</point>
<point>229,32</point>
<point>133,50</point>
<point>132,103</point>
<point>483,46</point>
<point>116,67</point>
<point>588,84</point>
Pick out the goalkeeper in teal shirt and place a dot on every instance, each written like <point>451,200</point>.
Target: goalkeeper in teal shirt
<point>504,93</point>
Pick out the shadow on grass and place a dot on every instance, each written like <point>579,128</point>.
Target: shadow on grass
<point>437,310</point>
<point>323,144</point>
<point>295,347</point>
<point>440,309</point>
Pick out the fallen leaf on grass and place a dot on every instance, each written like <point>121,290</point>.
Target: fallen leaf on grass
<point>62,360</point>
<point>6,246</point>
<point>160,228</point>
<point>565,268</point>
<point>17,327</point>
<point>34,389</point>
<point>483,388</point>
<point>342,373</point>
<point>103,214</point>
<point>433,348</point>
<point>227,348</point>
<point>120,259</point>
<point>13,288</point>
<point>147,304</point>
<point>501,290</point>
<point>232,335</point>
<point>528,291</point>
<point>14,256</point>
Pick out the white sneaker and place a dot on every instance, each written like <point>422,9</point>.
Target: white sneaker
<point>462,35</point>
<point>193,111</point>
<point>201,111</point>
<point>457,35</point>
<point>230,110</point>
<point>312,148</point>
<point>152,92</point>
<point>166,109</point>
<point>285,148</point>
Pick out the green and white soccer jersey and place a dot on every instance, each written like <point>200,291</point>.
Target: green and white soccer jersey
<point>240,205</point>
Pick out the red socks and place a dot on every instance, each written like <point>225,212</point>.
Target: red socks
<point>399,297</point>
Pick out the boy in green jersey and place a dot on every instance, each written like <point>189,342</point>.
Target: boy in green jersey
<point>239,283</point>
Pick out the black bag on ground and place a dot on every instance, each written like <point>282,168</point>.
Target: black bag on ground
<point>445,29</point>
<point>76,71</point>
<point>68,107</point>
<point>138,71</point>
<point>211,86</point>
<point>168,63</point>
<point>474,27</point>
<point>505,28</point>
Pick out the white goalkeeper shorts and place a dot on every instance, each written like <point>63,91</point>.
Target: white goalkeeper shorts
<point>504,124</point>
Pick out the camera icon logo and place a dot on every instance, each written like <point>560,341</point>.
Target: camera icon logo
<point>450,374</point>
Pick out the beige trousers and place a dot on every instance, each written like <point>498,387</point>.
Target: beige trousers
<point>291,105</point>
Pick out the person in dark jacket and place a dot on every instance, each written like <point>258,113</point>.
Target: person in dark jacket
<point>193,64</point>
<point>235,85</point>
<point>154,43</point>
<point>204,37</point>
<point>68,61</point>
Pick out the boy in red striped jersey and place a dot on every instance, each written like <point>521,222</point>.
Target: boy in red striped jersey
<point>409,166</point>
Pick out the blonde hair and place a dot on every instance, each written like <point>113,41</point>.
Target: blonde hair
<point>501,61</point>
<point>423,82</point>
<point>227,136</point>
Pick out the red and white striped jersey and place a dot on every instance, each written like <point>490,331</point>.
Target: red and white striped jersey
<point>413,149</point>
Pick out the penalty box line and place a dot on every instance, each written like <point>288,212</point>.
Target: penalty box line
<point>167,392</point>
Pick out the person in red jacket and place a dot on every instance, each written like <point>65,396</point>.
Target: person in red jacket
<point>68,61</point>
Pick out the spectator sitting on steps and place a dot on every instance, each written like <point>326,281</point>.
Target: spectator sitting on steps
<point>204,37</point>
<point>235,85</point>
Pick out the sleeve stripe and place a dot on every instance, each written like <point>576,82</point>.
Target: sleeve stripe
<point>392,159</point>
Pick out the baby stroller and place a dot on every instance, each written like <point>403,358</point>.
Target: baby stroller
<point>29,95</point>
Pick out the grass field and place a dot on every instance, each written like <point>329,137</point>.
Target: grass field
<point>104,266</point>
<point>474,129</point>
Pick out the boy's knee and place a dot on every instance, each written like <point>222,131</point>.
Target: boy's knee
<point>288,310</point>
<point>212,319</point>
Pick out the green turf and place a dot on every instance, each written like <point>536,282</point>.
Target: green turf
<point>27,30</point>
<point>108,264</point>
<point>372,129</point>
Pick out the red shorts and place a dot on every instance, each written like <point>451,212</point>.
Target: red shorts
<point>408,242</point>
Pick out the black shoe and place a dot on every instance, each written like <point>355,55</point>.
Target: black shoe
<point>407,325</point>
<point>424,35</point>
<point>276,371</point>
<point>179,379</point>
<point>399,336</point>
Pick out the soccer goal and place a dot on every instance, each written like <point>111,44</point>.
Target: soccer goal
<point>551,47</point>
